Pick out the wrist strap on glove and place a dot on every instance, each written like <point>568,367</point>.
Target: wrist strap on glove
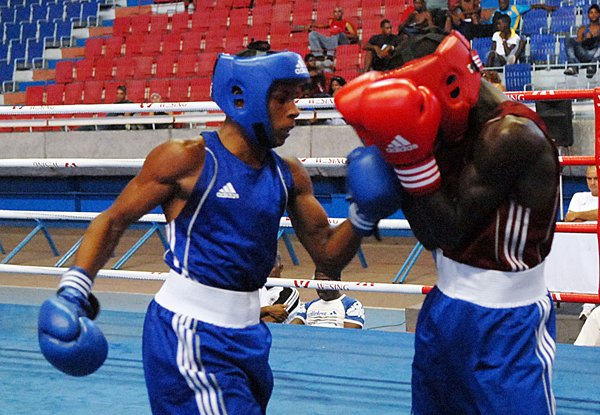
<point>421,178</point>
<point>362,225</point>
<point>76,278</point>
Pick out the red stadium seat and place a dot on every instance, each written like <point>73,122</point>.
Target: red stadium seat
<point>218,19</point>
<point>206,63</point>
<point>136,90</point>
<point>302,13</point>
<point>92,92</point>
<point>151,46</point>
<point>34,95</point>
<point>200,89</point>
<point>159,23</point>
<point>347,57</point>
<point>125,69</point>
<point>180,22</point>
<point>110,91</point>
<point>143,67</point>
<point>55,94</point>
<point>84,70</point>
<point>74,93</point>
<point>133,45</point>
<point>103,69</point>
<point>261,15</point>
<point>165,66</point>
<point>234,43</point>
<point>179,90</point>
<point>113,47</point>
<point>93,47</point>
<point>282,13</point>
<point>187,65</point>
<point>64,72</point>
<point>200,22</point>
<point>191,43</point>
<point>171,44</point>
<point>140,24</point>
<point>259,32</point>
<point>122,26</point>
<point>160,86</point>
<point>238,18</point>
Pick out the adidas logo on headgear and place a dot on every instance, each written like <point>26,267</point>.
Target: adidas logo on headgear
<point>301,67</point>
<point>228,192</point>
<point>400,145</point>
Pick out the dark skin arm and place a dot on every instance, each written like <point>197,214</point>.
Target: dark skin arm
<point>512,157</point>
<point>330,248</point>
<point>275,313</point>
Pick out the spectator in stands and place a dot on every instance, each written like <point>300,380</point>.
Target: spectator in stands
<point>515,12</point>
<point>278,304</point>
<point>341,32</point>
<point>380,48</point>
<point>507,46</point>
<point>583,208</point>
<point>335,84</point>
<point>186,5</point>
<point>465,17</point>
<point>494,78</point>
<point>586,47</point>
<point>121,99</point>
<point>317,86</point>
<point>156,98</point>
<point>331,309</point>
<point>417,22</point>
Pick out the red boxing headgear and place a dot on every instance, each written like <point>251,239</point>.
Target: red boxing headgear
<point>453,74</point>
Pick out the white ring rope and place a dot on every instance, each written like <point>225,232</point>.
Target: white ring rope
<point>271,282</point>
<point>118,163</point>
<point>285,222</point>
<point>304,104</point>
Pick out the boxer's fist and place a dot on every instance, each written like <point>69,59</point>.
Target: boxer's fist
<point>68,337</point>
<point>347,100</point>
<point>402,120</point>
<point>373,189</point>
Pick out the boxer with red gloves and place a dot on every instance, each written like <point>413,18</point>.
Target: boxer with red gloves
<point>481,180</point>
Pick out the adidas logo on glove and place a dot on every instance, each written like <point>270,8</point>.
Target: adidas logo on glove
<point>400,145</point>
<point>228,192</point>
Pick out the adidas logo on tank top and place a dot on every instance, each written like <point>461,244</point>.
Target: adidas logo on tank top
<point>228,192</point>
<point>400,145</point>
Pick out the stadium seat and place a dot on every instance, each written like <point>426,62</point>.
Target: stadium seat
<point>143,66</point>
<point>200,22</point>
<point>261,15</point>
<point>218,19</point>
<point>84,70</point>
<point>281,13</point>
<point>55,11</point>
<point>238,18</point>
<point>136,90</point>
<point>93,47</point>
<point>518,77</point>
<point>133,45</point>
<point>92,92</point>
<point>140,24</point>
<point>180,23</point>
<point>64,72</point>
<point>206,63</point>
<point>187,65</point>
<point>179,90</point>
<point>151,45</point>
<point>191,43</point>
<point>160,86</point>
<point>171,43</point>
<point>159,24</point>
<point>483,45</point>
<point>113,47</point>
<point>542,48</point>
<point>347,57</point>
<point>165,66</point>
<point>122,26</point>
<point>110,91</point>
<point>302,13</point>
<point>126,69</point>
<point>34,95</point>
<point>55,94</point>
<point>200,89</point>
<point>74,93</point>
<point>103,69</point>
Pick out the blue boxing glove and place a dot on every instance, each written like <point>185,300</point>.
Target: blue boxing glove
<point>68,337</point>
<point>373,189</point>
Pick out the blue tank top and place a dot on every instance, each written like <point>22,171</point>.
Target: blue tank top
<point>226,234</point>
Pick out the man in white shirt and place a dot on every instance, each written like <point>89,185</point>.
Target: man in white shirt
<point>278,304</point>
<point>331,309</point>
<point>584,207</point>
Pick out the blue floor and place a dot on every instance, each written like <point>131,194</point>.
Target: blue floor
<point>317,371</point>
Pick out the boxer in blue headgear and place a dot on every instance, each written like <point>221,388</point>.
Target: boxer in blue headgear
<point>240,87</point>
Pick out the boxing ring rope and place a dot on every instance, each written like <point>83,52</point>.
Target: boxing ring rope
<point>283,282</point>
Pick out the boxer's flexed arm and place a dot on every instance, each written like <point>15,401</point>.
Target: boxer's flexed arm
<point>511,158</point>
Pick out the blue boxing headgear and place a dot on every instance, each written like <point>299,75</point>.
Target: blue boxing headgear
<point>253,77</point>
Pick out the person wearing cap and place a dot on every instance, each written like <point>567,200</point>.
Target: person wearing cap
<point>156,98</point>
<point>223,194</point>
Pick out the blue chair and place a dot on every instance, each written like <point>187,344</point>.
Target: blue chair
<point>517,77</point>
<point>63,32</point>
<point>46,30</point>
<point>4,52</point>
<point>532,26</point>
<point>562,52</point>
<point>542,48</point>
<point>55,11</point>
<point>18,53</point>
<point>35,54</point>
<point>7,15</point>
<point>28,31</point>
<point>38,12</point>
<point>12,31</point>
<point>562,24</point>
<point>89,13</point>
<point>482,45</point>
<point>22,14</point>
<point>73,11</point>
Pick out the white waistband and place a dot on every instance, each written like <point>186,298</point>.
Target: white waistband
<point>224,308</point>
<point>490,288</point>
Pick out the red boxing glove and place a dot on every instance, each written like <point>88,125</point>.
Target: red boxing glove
<point>348,99</point>
<point>402,121</point>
